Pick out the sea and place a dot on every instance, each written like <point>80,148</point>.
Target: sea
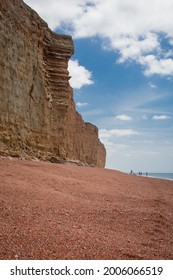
<point>167,176</point>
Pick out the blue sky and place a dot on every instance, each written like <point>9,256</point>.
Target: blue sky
<point>122,75</point>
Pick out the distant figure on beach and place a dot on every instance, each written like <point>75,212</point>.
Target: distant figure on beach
<point>131,172</point>
<point>146,173</point>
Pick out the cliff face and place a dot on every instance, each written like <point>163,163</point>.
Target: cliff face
<point>37,111</point>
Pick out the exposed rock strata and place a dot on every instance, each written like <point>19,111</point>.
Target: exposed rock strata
<point>37,111</point>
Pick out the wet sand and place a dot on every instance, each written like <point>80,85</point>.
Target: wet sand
<point>53,211</point>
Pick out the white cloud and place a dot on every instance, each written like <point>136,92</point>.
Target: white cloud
<point>153,65</point>
<point>161,117</point>
<point>104,133</point>
<point>123,118</point>
<point>135,46</point>
<point>152,85</point>
<point>87,17</point>
<point>113,146</point>
<point>130,27</point>
<point>57,12</point>
<point>79,104</point>
<point>80,76</point>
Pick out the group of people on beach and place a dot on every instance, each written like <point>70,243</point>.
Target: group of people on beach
<point>139,173</point>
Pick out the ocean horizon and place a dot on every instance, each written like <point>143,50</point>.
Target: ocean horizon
<point>158,175</point>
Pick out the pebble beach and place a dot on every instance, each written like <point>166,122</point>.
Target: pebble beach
<point>54,211</point>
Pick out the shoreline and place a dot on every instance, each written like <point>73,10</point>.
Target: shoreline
<point>154,177</point>
<point>160,178</point>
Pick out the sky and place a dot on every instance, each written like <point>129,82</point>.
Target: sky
<point>122,75</point>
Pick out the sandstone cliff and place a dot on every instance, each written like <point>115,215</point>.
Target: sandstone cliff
<point>38,117</point>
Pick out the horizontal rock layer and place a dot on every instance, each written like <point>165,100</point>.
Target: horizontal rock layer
<point>38,117</point>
